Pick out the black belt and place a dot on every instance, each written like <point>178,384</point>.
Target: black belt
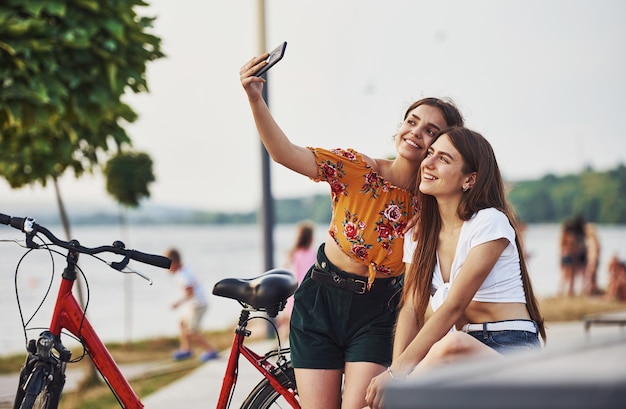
<point>346,283</point>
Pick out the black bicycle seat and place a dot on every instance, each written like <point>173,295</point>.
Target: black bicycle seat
<point>264,291</point>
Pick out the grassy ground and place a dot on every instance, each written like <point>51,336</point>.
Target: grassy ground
<point>575,308</point>
<point>157,349</point>
<point>98,396</point>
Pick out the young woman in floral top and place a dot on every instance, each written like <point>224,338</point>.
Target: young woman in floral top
<point>345,309</point>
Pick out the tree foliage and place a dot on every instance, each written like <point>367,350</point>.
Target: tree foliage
<point>599,196</point>
<point>64,66</point>
<point>128,175</point>
<point>316,208</point>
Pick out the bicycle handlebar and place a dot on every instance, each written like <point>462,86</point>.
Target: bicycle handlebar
<point>28,226</point>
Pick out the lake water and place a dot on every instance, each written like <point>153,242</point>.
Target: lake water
<point>126,307</point>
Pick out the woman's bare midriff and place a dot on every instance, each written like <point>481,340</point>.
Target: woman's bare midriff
<point>342,261</point>
<point>477,312</point>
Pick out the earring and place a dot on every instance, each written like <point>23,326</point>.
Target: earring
<point>465,188</point>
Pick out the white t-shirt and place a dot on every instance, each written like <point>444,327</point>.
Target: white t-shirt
<point>504,282</point>
<point>186,278</point>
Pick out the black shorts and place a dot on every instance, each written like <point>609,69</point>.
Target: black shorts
<point>332,325</point>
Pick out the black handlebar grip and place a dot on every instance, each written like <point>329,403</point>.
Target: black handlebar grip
<point>152,259</point>
<point>4,219</point>
<point>17,223</point>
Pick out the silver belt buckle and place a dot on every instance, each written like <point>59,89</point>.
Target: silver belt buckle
<point>363,288</point>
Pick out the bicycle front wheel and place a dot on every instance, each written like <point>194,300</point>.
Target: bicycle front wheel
<point>40,392</point>
<point>35,401</point>
<point>264,396</point>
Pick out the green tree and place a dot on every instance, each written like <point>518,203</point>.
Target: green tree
<point>128,175</point>
<point>613,206</point>
<point>64,66</point>
<point>599,196</point>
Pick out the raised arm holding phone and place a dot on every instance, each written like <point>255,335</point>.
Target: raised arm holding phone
<point>346,306</point>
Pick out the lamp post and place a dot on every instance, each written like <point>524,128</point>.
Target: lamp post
<point>267,205</point>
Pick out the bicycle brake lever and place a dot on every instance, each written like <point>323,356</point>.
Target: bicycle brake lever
<point>131,271</point>
<point>120,265</point>
<point>30,243</point>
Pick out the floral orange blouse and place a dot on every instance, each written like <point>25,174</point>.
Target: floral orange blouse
<point>369,213</point>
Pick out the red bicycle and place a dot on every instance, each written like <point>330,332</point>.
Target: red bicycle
<point>42,376</point>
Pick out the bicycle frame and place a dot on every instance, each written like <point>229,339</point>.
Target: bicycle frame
<point>259,362</point>
<point>69,315</point>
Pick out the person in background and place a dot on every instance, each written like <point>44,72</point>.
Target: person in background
<point>300,258</point>
<point>590,277</point>
<point>573,254</point>
<point>193,304</point>
<point>468,260</point>
<point>345,308</point>
<point>616,288</point>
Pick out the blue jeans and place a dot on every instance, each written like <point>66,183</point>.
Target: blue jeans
<point>506,342</point>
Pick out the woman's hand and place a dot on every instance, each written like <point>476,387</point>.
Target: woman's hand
<point>374,393</point>
<point>252,84</point>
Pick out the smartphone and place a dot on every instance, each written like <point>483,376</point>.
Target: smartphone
<point>275,56</point>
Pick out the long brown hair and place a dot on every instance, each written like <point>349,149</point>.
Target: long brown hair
<point>488,191</point>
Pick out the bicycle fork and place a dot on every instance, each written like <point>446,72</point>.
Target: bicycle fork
<point>43,371</point>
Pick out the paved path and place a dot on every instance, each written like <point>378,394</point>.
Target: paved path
<point>201,388</point>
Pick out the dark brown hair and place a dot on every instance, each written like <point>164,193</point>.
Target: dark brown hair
<point>173,255</point>
<point>304,237</point>
<point>450,112</point>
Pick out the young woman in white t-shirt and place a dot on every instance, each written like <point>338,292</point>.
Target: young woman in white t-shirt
<point>467,260</point>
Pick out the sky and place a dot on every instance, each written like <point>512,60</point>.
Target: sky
<point>543,80</point>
